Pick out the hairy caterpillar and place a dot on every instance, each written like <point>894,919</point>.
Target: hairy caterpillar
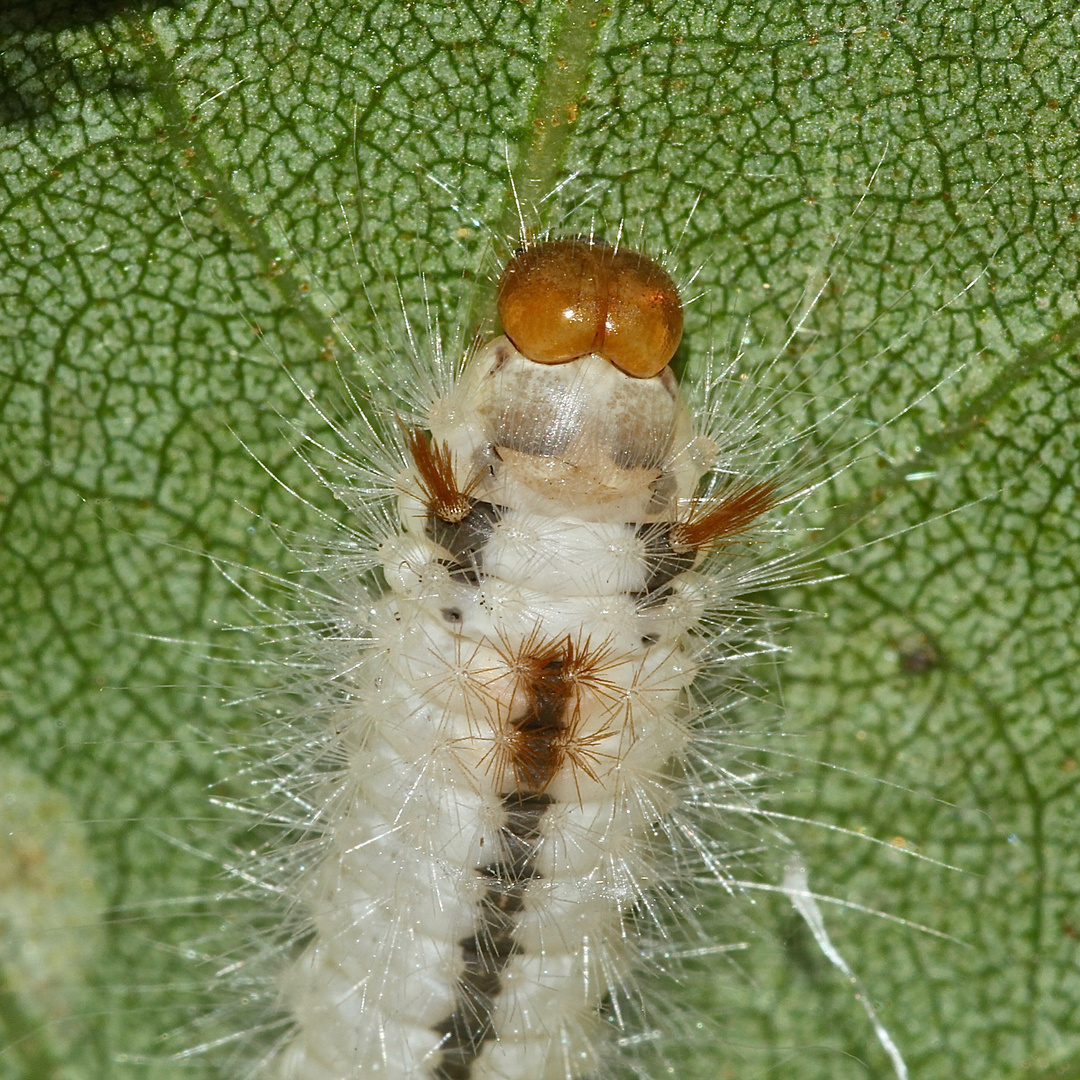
<point>516,731</point>
<point>780,135</point>
<point>715,401</point>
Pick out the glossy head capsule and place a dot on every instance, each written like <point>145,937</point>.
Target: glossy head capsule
<point>562,299</point>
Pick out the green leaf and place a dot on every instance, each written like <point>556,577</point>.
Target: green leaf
<point>189,192</point>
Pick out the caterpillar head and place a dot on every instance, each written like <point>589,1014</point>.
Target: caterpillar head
<point>563,299</point>
<point>575,406</point>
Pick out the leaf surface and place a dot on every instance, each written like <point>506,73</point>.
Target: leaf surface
<point>196,197</point>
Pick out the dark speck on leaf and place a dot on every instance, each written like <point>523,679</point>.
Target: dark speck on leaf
<point>919,655</point>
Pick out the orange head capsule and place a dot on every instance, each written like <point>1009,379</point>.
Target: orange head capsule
<point>562,299</point>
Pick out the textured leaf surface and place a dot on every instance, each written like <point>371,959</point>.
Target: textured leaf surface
<point>188,190</point>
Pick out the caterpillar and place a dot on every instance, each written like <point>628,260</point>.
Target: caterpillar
<point>517,725</point>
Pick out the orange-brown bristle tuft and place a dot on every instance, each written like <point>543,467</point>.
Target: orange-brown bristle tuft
<point>443,496</point>
<point>575,664</point>
<point>551,676</point>
<point>724,516</point>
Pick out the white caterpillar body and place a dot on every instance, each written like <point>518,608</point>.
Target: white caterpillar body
<point>517,719</point>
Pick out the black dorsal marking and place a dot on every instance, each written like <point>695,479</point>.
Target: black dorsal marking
<point>465,540</point>
<point>537,754</point>
<point>486,953</point>
<point>662,562</point>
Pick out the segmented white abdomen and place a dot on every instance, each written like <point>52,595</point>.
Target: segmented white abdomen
<point>516,719</point>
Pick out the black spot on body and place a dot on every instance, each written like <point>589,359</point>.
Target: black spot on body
<point>524,809</point>
<point>663,563</point>
<point>465,540</point>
